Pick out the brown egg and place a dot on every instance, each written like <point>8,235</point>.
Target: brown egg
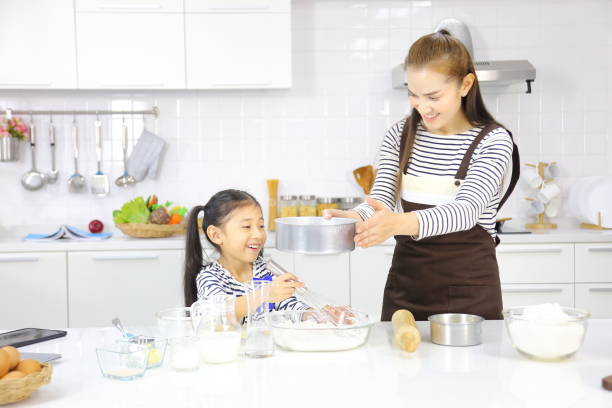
<point>14,356</point>
<point>28,366</point>
<point>13,375</point>
<point>4,363</point>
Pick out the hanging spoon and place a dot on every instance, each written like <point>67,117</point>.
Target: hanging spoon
<point>33,179</point>
<point>51,177</point>
<point>125,179</point>
<point>76,182</point>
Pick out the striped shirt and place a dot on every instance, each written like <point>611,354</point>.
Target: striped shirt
<point>478,197</point>
<point>214,279</point>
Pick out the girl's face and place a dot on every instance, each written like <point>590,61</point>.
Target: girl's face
<point>437,98</point>
<point>243,235</point>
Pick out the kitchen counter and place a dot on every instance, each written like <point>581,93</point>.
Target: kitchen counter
<point>375,375</point>
<point>10,240</point>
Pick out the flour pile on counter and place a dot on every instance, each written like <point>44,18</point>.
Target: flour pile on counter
<point>546,331</point>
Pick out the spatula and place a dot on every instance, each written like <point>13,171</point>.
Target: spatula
<point>365,177</point>
<point>99,182</point>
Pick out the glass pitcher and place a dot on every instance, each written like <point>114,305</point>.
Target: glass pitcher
<point>259,341</point>
<point>217,329</point>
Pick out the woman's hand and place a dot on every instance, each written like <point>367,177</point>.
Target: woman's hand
<point>384,224</point>
<point>283,287</point>
<point>329,213</point>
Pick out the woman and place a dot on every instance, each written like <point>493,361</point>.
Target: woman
<point>448,164</point>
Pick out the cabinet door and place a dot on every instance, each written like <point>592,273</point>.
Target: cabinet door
<point>326,275</point>
<point>369,270</point>
<point>33,290</point>
<point>536,263</point>
<point>37,44</point>
<point>535,294</point>
<point>594,263</point>
<point>284,259</point>
<point>244,6</point>
<point>132,285</point>
<point>238,50</point>
<point>130,50</point>
<point>595,298</point>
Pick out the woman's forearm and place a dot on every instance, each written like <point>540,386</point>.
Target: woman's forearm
<point>408,224</point>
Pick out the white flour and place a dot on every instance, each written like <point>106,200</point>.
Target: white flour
<point>322,337</point>
<point>546,331</point>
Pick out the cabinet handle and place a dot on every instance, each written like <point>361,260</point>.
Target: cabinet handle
<point>605,249</point>
<point>532,290</point>
<point>600,289</point>
<point>530,251</point>
<point>120,6</point>
<point>123,257</point>
<point>220,84</point>
<point>19,258</point>
<point>129,84</point>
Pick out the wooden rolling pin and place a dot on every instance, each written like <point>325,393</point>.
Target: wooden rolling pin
<point>405,331</point>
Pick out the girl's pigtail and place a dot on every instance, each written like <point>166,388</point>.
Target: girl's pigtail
<point>193,256</point>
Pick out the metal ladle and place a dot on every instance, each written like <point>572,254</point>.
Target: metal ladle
<point>33,179</point>
<point>76,182</point>
<point>125,179</point>
<point>51,177</point>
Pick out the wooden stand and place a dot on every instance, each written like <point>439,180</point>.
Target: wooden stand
<point>594,226</point>
<point>541,220</point>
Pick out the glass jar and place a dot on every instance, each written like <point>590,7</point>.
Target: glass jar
<point>288,206</point>
<point>217,329</point>
<point>348,203</point>
<point>308,206</point>
<point>324,203</point>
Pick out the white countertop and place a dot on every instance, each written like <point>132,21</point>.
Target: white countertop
<point>10,240</point>
<point>375,375</point>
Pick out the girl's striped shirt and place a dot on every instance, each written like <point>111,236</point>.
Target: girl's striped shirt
<point>479,195</point>
<point>214,279</point>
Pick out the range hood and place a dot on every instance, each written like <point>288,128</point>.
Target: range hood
<point>488,72</point>
<point>500,73</point>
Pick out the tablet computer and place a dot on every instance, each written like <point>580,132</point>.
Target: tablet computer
<point>24,337</point>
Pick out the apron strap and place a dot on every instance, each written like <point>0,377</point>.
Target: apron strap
<point>516,165</point>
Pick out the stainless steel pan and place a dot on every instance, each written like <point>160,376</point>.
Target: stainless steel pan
<point>315,235</point>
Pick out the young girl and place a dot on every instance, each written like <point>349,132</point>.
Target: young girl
<point>446,164</point>
<point>234,225</point>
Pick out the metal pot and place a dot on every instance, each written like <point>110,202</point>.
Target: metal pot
<point>455,329</point>
<point>315,235</point>
<point>9,148</point>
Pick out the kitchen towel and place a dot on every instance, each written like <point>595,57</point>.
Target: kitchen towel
<point>146,156</point>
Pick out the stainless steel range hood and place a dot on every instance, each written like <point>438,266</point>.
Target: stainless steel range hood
<point>488,72</point>
<point>499,73</point>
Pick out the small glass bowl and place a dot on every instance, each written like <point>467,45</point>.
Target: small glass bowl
<point>546,339</point>
<point>157,348</point>
<point>123,361</point>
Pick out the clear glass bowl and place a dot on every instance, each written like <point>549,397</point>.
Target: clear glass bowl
<point>157,348</point>
<point>175,322</point>
<point>546,338</point>
<point>300,330</point>
<point>123,361</point>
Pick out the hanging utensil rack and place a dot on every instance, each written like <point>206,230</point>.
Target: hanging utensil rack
<point>153,111</point>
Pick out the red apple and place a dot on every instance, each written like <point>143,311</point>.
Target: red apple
<point>96,226</point>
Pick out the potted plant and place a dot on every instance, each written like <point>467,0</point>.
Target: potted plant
<point>12,131</point>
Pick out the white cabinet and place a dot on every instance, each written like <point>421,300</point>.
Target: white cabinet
<point>33,290</point>
<point>593,262</point>
<point>284,259</point>
<point>534,294</point>
<point>595,298</point>
<point>37,44</point>
<point>126,45</point>
<point>132,285</point>
<point>238,44</point>
<point>327,275</point>
<point>536,263</point>
<point>369,270</point>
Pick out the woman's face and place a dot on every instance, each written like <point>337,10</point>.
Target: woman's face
<point>437,98</point>
<point>243,234</point>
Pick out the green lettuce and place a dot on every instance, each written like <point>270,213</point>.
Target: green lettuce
<point>134,211</point>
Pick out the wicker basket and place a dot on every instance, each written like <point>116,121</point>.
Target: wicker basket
<point>138,230</point>
<point>21,388</point>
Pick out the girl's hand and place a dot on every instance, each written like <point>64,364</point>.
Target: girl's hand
<point>283,287</point>
<point>378,228</point>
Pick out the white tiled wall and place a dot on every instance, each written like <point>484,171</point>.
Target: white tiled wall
<point>312,136</point>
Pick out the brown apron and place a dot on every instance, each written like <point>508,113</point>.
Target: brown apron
<point>451,273</point>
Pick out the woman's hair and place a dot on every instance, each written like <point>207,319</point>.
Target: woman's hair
<point>446,54</point>
<point>216,212</point>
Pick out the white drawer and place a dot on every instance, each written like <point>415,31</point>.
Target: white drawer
<point>594,263</point>
<point>129,6</point>
<point>536,263</point>
<point>595,298</point>
<point>237,6</point>
<point>535,294</point>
